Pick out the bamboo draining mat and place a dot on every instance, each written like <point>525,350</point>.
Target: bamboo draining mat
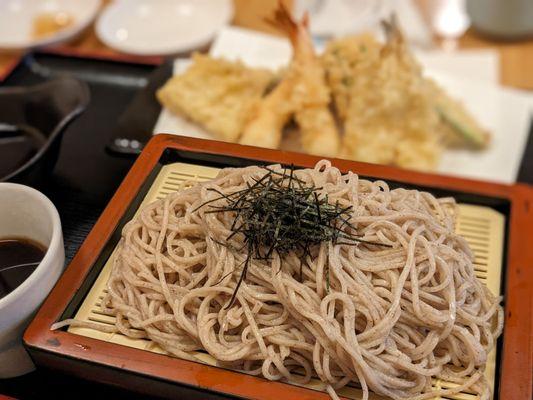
<point>481,226</point>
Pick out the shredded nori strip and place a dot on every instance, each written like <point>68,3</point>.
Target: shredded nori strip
<point>280,213</point>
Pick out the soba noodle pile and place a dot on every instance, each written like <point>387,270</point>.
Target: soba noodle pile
<point>391,318</point>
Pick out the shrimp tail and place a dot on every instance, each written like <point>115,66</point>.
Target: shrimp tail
<point>283,21</point>
<point>392,28</point>
<point>396,45</point>
<point>395,40</point>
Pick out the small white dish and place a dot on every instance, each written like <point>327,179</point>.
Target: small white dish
<point>18,16</point>
<point>27,213</point>
<point>162,27</point>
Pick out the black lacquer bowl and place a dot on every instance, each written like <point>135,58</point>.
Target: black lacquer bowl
<point>32,122</point>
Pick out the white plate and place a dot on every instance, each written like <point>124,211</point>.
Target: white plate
<point>505,112</point>
<point>162,27</point>
<point>17,16</point>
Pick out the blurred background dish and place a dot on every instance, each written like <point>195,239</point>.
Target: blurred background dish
<point>33,23</point>
<point>162,27</point>
<point>345,17</point>
<point>502,19</point>
<point>32,122</point>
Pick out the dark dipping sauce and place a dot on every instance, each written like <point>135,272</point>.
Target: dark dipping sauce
<point>18,259</point>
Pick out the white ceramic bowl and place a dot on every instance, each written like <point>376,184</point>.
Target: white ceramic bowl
<point>25,212</point>
<point>162,27</point>
<point>17,16</point>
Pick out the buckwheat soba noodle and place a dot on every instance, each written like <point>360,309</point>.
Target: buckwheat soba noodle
<point>387,301</point>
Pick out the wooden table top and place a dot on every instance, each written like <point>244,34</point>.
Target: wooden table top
<point>516,57</point>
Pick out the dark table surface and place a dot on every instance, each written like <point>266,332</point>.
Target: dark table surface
<point>86,176</point>
<point>83,180</point>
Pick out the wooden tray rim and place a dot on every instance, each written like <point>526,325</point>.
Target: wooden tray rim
<point>516,376</point>
<point>76,53</point>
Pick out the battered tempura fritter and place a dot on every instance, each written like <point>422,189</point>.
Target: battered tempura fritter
<point>383,101</point>
<point>217,94</point>
<point>390,112</point>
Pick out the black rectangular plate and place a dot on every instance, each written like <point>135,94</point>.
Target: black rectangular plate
<point>86,175</point>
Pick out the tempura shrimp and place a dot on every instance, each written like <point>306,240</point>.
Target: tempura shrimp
<point>302,93</point>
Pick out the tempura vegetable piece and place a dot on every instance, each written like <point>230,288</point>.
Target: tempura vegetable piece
<point>343,59</point>
<point>390,112</point>
<point>389,116</point>
<point>459,128</point>
<point>218,94</point>
<point>302,92</point>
